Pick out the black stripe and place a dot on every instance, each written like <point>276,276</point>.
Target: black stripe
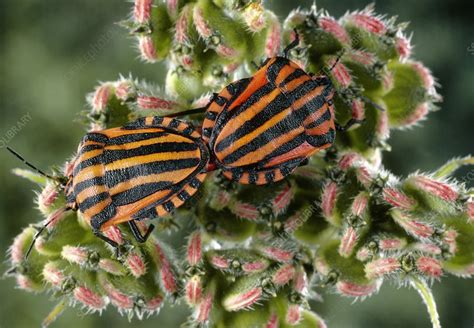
<point>184,195</point>
<point>115,177</point>
<point>321,140</point>
<point>93,200</point>
<point>211,116</point>
<point>195,183</point>
<point>110,156</point>
<point>95,137</point>
<point>188,130</point>
<point>83,185</point>
<point>139,136</point>
<point>323,118</point>
<point>88,148</point>
<point>134,194</point>
<point>275,68</point>
<point>137,124</point>
<point>253,177</point>
<point>173,124</point>
<point>269,176</point>
<point>297,73</point>
<point>237,87</point>
<point>219,100</point>
<point>169,206</point>
<point>103,216</point>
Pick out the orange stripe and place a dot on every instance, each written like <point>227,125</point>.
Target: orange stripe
<point>292,85</point>
<point>151,141</point>
<point>118,132</point>
<point>89,173</point>
<point>283,74</point>
<point>137,160</point>
<point>90,154</point>
<point>96,209</point>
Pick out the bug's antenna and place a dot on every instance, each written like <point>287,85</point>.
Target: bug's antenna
<point>375,105</point>
<point>337,60</point>
<point>292,45</point>
<point>30,165</point>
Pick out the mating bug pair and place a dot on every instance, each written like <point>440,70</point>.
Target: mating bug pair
<point>257,130</point>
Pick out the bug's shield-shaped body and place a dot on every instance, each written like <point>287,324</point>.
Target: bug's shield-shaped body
<point>261,128</point>
<point>142,170</point>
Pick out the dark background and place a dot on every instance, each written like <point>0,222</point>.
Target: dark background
<point>44,73</point>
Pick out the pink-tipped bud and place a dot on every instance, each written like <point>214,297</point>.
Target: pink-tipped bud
<point>155,103</point>
<point>429,248</point>
<point>135,263</point>
<point>321,266</point>
<point>388,80</point>
<point>328,200</point>
<point>25,283</point>
<point>364,176</point>
<point>116,297</point>
<point>413,227</point>
<point>300,281</point>
<point>359,205</point>
<point>381,267</point>
<point>253,16</point>
<point>246,211</point>
<point>242,300</point>
<point>362,57</point>
<point>47,197</point>
<point>53,274</point>
<point>154,304</point>
<point>390,244</point>
<point>383,128</point>
<point>282,200</point>
<point>194,251</point>
<point>368,22</point>
<point>363,254</point>
<point>124,89</point>
<point>114,234</point>
<point>348,160</point>
<point>278,254</point>
<point>181,27</point>
<point>397,198</point>
<point>425,74</point>
<point>403,46</point>
<point>168,279</point>
<point>101,97</point>
<point>76,255</point>
<point>204,309</point>
<point>219,262</point>
<point>429,266</point>
<point>89,298</point>
<point>272,322</point>
<point>147,49</point>
<point>193,290</point>
<point>340,73</point>
<point>273,42</point>
<point>355,290</point>
<point>435,188</point>
<point>420,113</point>
<point>142,11</point>
<point>293,314</point>
<point>358,109</point>
<point>283,275</point>
<point>113,267</point>
<point>332,26</point>
<point>201,25</point>
<point>348,242</point>
<point>172,6</point>
<point>20,245</point>
<point>449,238</point>
<point>226,51</point>
<point>470,210</point>
<point>255,266</point>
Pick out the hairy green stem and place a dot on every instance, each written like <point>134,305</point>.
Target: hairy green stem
<point>425,292</point>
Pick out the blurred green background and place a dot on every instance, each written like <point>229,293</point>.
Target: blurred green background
<point>53,52</point>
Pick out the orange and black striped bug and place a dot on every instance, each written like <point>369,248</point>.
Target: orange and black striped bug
<point>260,129</point>
<point>144,169</point>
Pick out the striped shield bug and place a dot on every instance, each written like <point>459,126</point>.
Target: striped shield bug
<point>260,129</point>
<point>144,169</point>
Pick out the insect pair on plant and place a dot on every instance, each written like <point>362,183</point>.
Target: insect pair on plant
<point>257,130</point>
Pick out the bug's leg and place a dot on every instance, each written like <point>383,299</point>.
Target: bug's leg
<point>117,247</point>
<point>138,234</point>
<point>292,45</point>
<point>304,162</point>
<point>348,125</point>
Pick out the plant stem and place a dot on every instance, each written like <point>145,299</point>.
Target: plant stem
<point>425,292</point>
